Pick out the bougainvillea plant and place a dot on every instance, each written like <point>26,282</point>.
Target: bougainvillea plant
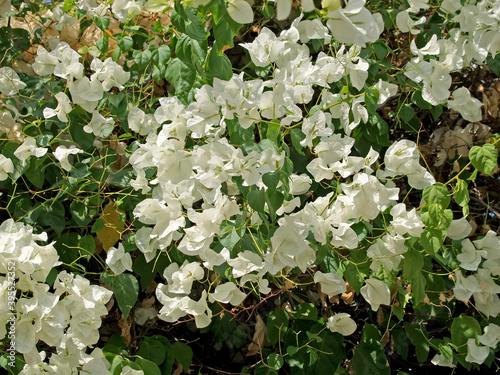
<point>250,187</point>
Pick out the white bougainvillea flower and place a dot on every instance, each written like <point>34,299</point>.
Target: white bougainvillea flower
<point>465,286</point>
<point>264,49</point>
<point>28,148</point>
<point>227,293</point>
<point>331,283</point>
<point>470,258</point>
<point>240,11</point>
<point>118,260</point>
<point>61,111</point>
<point>466,105</point>
<point>180,279</point>
<point>406,221</point>
<point>376,293</point>
<point>440,360</point>
<point>6,166</point>
<point>491,336</point>
<point>491,244</point>
<point>99,125</point>
<point>283,8</point>
<point>127,370</point>
<point>354,24</point>
<point>245,262</point>
<point>386,90</point>
<point>299,184</point>
<point>342,323</point>
<point>459,229</point>
<point>143,314</point>
<point>125,9</point>
<point>313,29</point>
<point>10,84</point>
<point>141,122</point>
<point>45,62</point>
<point>62,18</point>
<point>62,154</point>
<point>475,353</point>
<point>109,73</point>
<point>406,24</point>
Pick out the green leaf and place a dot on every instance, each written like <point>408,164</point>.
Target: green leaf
<point>277,325</point>
<point>161,55</point>
<point>271,179</point>
<point>275,360</point>
<point>461,193</point>
<point>192,52</point>
<point>142,59</point>
<point>126,290</point>
<point>102,22</point>
<point>102,44</point>
<point>153,350</point>
<point>219,65</point>
<point>306,311</point>
<point>330,352</point>
<point>484,158</point>
<point>419,338</point>
<point>52,215</point>
<point>273,131</point>
<point>418,284</point>
<point>431,240</point>
<point>256,200</point>
<point>297,137</point>
<point>35,172</point>
<point>237,134</point>
<point>462,329</point>
<point>223,34</point>
<point>145,270</point>
<point>406,112</point>
<point>148,367</point>
<point>274,201</point>
<point>181,76</point>
<point>87,246</point>
<point>437,193</point>
<point>126,43</point>
<point>369,355</point>
<point>183,354</point>
<point>414,261</point>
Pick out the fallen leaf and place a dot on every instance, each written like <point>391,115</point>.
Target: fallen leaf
<point>111,233</point>
<point>348,295</point>
<point>259,338</point>
<point>125,325</point>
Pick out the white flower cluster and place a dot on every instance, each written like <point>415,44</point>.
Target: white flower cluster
<point>480,285</point>
<point>65,63</point>
<point>66,316</point>
<point>476,35</point>
<point>184,177</point>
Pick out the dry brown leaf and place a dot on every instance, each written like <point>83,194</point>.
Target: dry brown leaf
<point>148,302</point>
<point>442,297</point>
<point>386,338</point>
<point>259,338</point>
<point>178,370</point>
<point>380,315</point>
<point>113,227</point>
<point>151,287</point>
<point>348,295</point>
<point>334,299</point>
<point>125,325</point>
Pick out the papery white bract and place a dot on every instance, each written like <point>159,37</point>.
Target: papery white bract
<point>342,323</point>
<point>6,167</point>
<point>10,84</point>
<point>376,293</point>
